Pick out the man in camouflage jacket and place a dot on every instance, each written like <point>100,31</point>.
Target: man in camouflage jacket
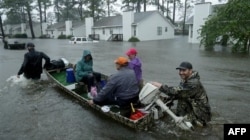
<point>192,98</point>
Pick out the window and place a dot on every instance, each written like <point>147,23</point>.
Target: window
<point>134,31</point>
<point>159,30</point>
<point>166,29</point>
<point>84,39</point>
<point>103,31</point>
<point>111,31</point>
<point>78,39</point>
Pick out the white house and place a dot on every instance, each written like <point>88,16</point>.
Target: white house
<point>24,28</point>
<point>74,28</point>
<point>201,13</point>
<point>151,25</point>
<point>36,28</point>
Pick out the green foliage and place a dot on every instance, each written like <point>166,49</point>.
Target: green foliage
<point>133,39</point>
<point>62,37</point>
<point>20,36</point>
<point>69,36</point>
<point>230,21</point>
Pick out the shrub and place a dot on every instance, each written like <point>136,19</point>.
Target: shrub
<point>133,39</point>
<point>69,36</point>
<point>62,37</point>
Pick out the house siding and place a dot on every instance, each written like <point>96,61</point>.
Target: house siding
<point>116,30</point>
<point>201,12</point>
<point>79,31</point>
<point>147,29</point>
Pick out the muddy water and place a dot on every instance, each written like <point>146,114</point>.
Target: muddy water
<point>41,111</point>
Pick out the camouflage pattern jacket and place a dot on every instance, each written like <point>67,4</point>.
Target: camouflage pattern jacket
<point>192,99</point>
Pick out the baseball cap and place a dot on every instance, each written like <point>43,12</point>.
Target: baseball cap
<point>30,44</point>
<point>131,51</point>
<point>121,60</point>
<point>185,65</point>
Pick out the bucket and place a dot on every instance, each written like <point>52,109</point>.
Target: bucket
<point>70,77</point>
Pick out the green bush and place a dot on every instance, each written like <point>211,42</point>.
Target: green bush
<point>133,39</point>
<point>69,36</point>
<point>62,37</point>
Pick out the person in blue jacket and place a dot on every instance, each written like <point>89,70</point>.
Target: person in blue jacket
<point>121,88</point>
<point>84,71</point>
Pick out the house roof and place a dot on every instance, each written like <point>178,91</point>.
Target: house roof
<point>117,20</point>
<point>61,25</point>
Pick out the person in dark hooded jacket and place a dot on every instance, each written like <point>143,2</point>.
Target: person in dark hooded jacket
<point>84,71</point>
<point>32,64</point>
<point>192,98</point>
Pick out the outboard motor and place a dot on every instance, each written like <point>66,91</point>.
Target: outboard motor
<point>150,95</point>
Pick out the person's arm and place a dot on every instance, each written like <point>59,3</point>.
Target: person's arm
<point>23,66</point>
<point>182,91</point>
<point>47,59</point>
<point>109,88</point>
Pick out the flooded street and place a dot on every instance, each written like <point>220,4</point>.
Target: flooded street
<point>41,111</point>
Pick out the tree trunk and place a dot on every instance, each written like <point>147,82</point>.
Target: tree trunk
<point>167,8</point>
<point>108,3</point>
<point>41,17</point>
<point>162,7</point>
<point>138,6</point>
<point>5,42</point>
<point>30,22</point>
<point>174,11</point>
<point>1,26</point>
<point>145,5</point>
<point>45,11</point>
<point>184,20</point>
<point>158,5</point>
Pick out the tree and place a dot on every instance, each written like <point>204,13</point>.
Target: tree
<point>40,14</point>
<point>28,9</point>
<point>109,3</point>
<point>1,22</point>
<point>95,9</point>
<point>23,6</point>
<point>232,20</point>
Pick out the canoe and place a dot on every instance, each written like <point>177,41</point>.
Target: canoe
<point>77,90</point>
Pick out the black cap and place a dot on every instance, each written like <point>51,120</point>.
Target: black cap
<point>30,44</point>
<point>185,65</point>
